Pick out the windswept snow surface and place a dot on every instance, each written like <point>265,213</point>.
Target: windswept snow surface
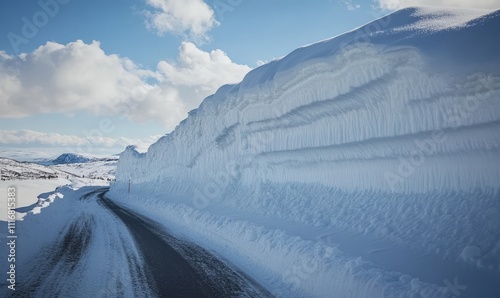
<point>367,165</point>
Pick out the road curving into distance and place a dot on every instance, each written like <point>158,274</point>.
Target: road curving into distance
<point>107,250</point>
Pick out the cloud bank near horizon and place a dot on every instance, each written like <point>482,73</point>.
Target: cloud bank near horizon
<point>75,144</point>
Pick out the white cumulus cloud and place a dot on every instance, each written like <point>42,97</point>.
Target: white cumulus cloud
<point>62,78</point>
<point>397,4</point>
<point>181,17</point>
<point>82,77</point>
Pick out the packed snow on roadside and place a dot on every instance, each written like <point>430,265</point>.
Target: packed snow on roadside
<point>105,262</point>
<point>46,210</point>
<point>28,195</point>
<point>366,165</point>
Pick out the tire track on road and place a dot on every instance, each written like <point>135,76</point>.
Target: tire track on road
<point>177,268</point>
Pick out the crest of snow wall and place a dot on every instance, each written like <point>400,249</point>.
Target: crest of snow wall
<point>388,137</point>
<point>366,119</point>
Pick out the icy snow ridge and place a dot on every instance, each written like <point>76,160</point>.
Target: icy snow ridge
<point>389,130</point>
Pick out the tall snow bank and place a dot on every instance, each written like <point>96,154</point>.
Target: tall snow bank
<point>391,130</point>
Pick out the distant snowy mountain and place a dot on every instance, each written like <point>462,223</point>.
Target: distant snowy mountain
<point>68,158</point>
<point>366,165</point>
<point>65,166</point>
<point>97,168</point>
<point>72,158</point>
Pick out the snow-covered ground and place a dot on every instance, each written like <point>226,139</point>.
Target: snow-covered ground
<point>27,193</point>
<point>39,239</point>
<point>100,168</point>
<point>44,154</point>
<point>14,170</point>
<point>367,165</point>
<point>59,186</point>
<point>95,170</point>
<point>33,180</point>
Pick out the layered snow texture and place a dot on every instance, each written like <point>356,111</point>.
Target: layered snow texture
<point>388,132</point>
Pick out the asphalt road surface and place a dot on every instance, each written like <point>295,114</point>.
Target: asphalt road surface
<point>144,259</point>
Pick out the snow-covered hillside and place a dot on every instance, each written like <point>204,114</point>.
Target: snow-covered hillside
<point>102,168</point>
<point>67,158</point>
<point>14,170</point>
<point>367,165</point>
<point>33,180</point>
<point>71,158</point>
<point>95,170</point>
<point>91,167</point>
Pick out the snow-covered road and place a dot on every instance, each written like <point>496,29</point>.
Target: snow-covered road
<point>106,250</point>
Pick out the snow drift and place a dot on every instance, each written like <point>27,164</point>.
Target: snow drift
<point>387,136</point>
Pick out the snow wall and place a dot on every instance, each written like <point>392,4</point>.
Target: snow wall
<point>391,130</point>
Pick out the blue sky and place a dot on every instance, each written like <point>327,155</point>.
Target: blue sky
<point>114,72</point>
<point>249,31</point>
